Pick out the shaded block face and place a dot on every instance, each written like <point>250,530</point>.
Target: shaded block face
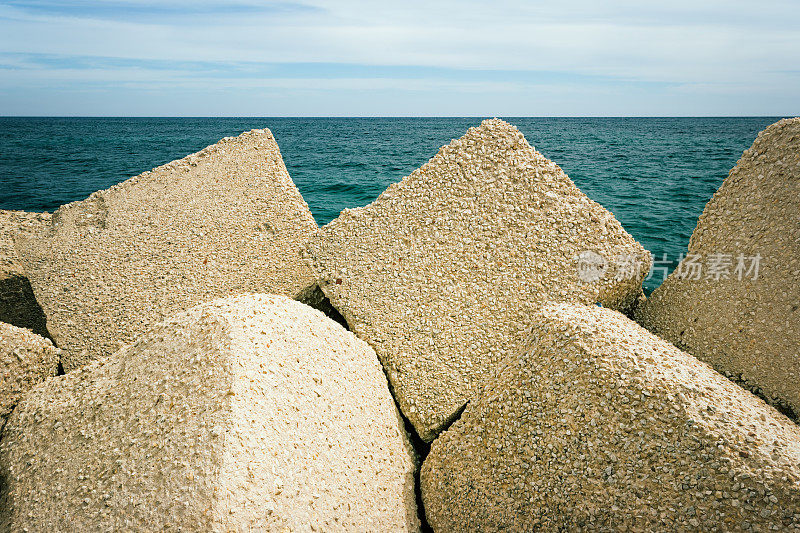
<point>26,359</point>
<point>441,273</point>
<point>18,305</point>
<point>251,413</point>
<point>735,300</point>
<point>598,425</point>
<point>226,220</point>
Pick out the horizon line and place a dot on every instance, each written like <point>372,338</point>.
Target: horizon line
<point>392,116</point>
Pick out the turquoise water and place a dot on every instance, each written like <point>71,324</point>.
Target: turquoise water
<point>654,174</point>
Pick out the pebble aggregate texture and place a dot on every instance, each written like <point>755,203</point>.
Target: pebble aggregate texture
<point>26,359</point>
<point>747,329</point>
<point>249,413</point>
<point>223,221</point>
<point>441,272</point>
<point>18,305</point>
<point>598,425</point>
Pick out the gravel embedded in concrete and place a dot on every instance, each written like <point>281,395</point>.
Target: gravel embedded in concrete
<point>747,328</point>
<point>442,271</point>
<point>224,221</point>
<point>598,425</point>
<point>26,359</point>
<point>250,413</point>
<point>18,305</point>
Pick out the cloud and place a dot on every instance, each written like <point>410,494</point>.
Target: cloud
<point>696,49</point>
<point>152,11</point>
<point>53,63</point>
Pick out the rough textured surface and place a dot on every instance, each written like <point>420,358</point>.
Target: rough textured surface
<point>599,425</point>
<point>440,273</point>
<point>748,329</point>
<point>251,413</point>
<point>26,359</point>
<point>226,220</point>
<point>18,306</point>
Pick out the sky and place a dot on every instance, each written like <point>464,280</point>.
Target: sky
<point>402,58</point>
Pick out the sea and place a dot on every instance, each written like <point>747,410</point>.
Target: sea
<point>654,174</point>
